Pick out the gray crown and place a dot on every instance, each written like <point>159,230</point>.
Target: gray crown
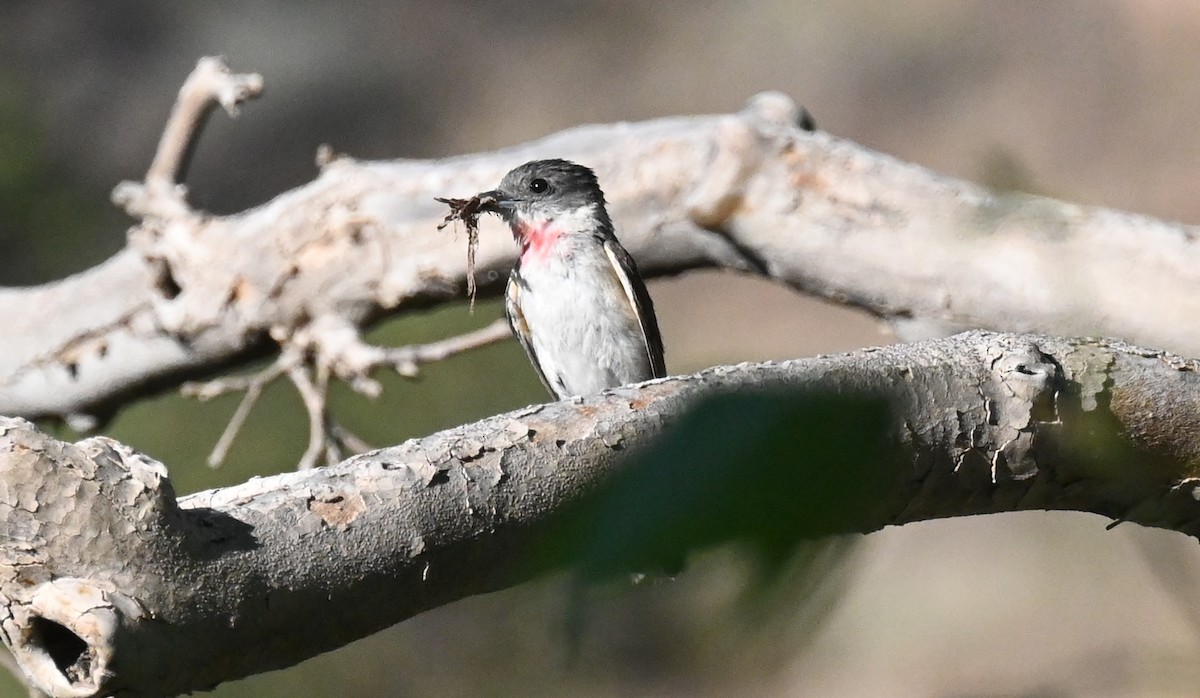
<point>555,184</point>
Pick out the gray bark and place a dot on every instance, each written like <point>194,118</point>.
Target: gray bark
<point>108,583</point>
<point>753,191</point>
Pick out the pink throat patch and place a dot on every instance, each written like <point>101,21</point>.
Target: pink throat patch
<point>537,239</point>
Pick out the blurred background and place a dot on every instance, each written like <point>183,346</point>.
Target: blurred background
<point>1094,101</point>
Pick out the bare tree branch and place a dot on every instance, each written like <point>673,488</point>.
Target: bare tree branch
<point>753,191</point>
<point>339,350</point>
<point>252,384</point>
<point>162,195</point>
<point>173,596</point>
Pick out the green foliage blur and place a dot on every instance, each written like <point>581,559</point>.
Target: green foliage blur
<point>766,470</point>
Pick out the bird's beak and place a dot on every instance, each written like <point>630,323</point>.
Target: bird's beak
<point>497,201</point>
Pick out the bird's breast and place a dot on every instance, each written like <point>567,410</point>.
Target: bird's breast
<point>580,327</point>
<point>537,239</point>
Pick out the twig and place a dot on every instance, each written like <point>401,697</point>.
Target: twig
<point>313,395</point>
<point>468,211</point>
<point>210,84</point>
<point>337,439</point>
<point>162,195</point>
<point>325,349</point>
<point>253,384</point>
<point>406,360</point>
<point>349,439</point>
<point>337,343</point>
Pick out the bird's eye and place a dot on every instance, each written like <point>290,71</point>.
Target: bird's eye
<point>539,186</point>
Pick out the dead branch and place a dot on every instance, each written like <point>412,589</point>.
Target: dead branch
<point>253,386</point>
<point>162,194</point>
<point>752,191</point>
<point>337,350</point>
<point>173,596</point>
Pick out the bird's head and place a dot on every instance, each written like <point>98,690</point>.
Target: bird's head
<point>548,199</point>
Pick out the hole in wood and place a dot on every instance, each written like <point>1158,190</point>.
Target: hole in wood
<point>67,650</point>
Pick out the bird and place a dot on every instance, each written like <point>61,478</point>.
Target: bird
<point>574,299</point>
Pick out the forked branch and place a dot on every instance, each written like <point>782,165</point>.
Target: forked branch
<point>312,352</point>
<point>162,194</point>
<point>324,349</point>
<point>755,191</point>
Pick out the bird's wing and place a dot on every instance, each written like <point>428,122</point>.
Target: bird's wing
<point>626,271</point>
<point>520,328</point>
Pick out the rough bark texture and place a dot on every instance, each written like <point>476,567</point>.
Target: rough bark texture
<point>752,191</point>
<point>108,583</point>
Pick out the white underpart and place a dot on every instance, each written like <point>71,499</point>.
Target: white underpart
<point>583,327</point>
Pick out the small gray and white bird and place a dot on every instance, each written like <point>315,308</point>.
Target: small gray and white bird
<point>575,299</point>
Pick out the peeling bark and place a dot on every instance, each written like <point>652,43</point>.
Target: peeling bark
<point>109,584</point>
<point>756,191</point>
